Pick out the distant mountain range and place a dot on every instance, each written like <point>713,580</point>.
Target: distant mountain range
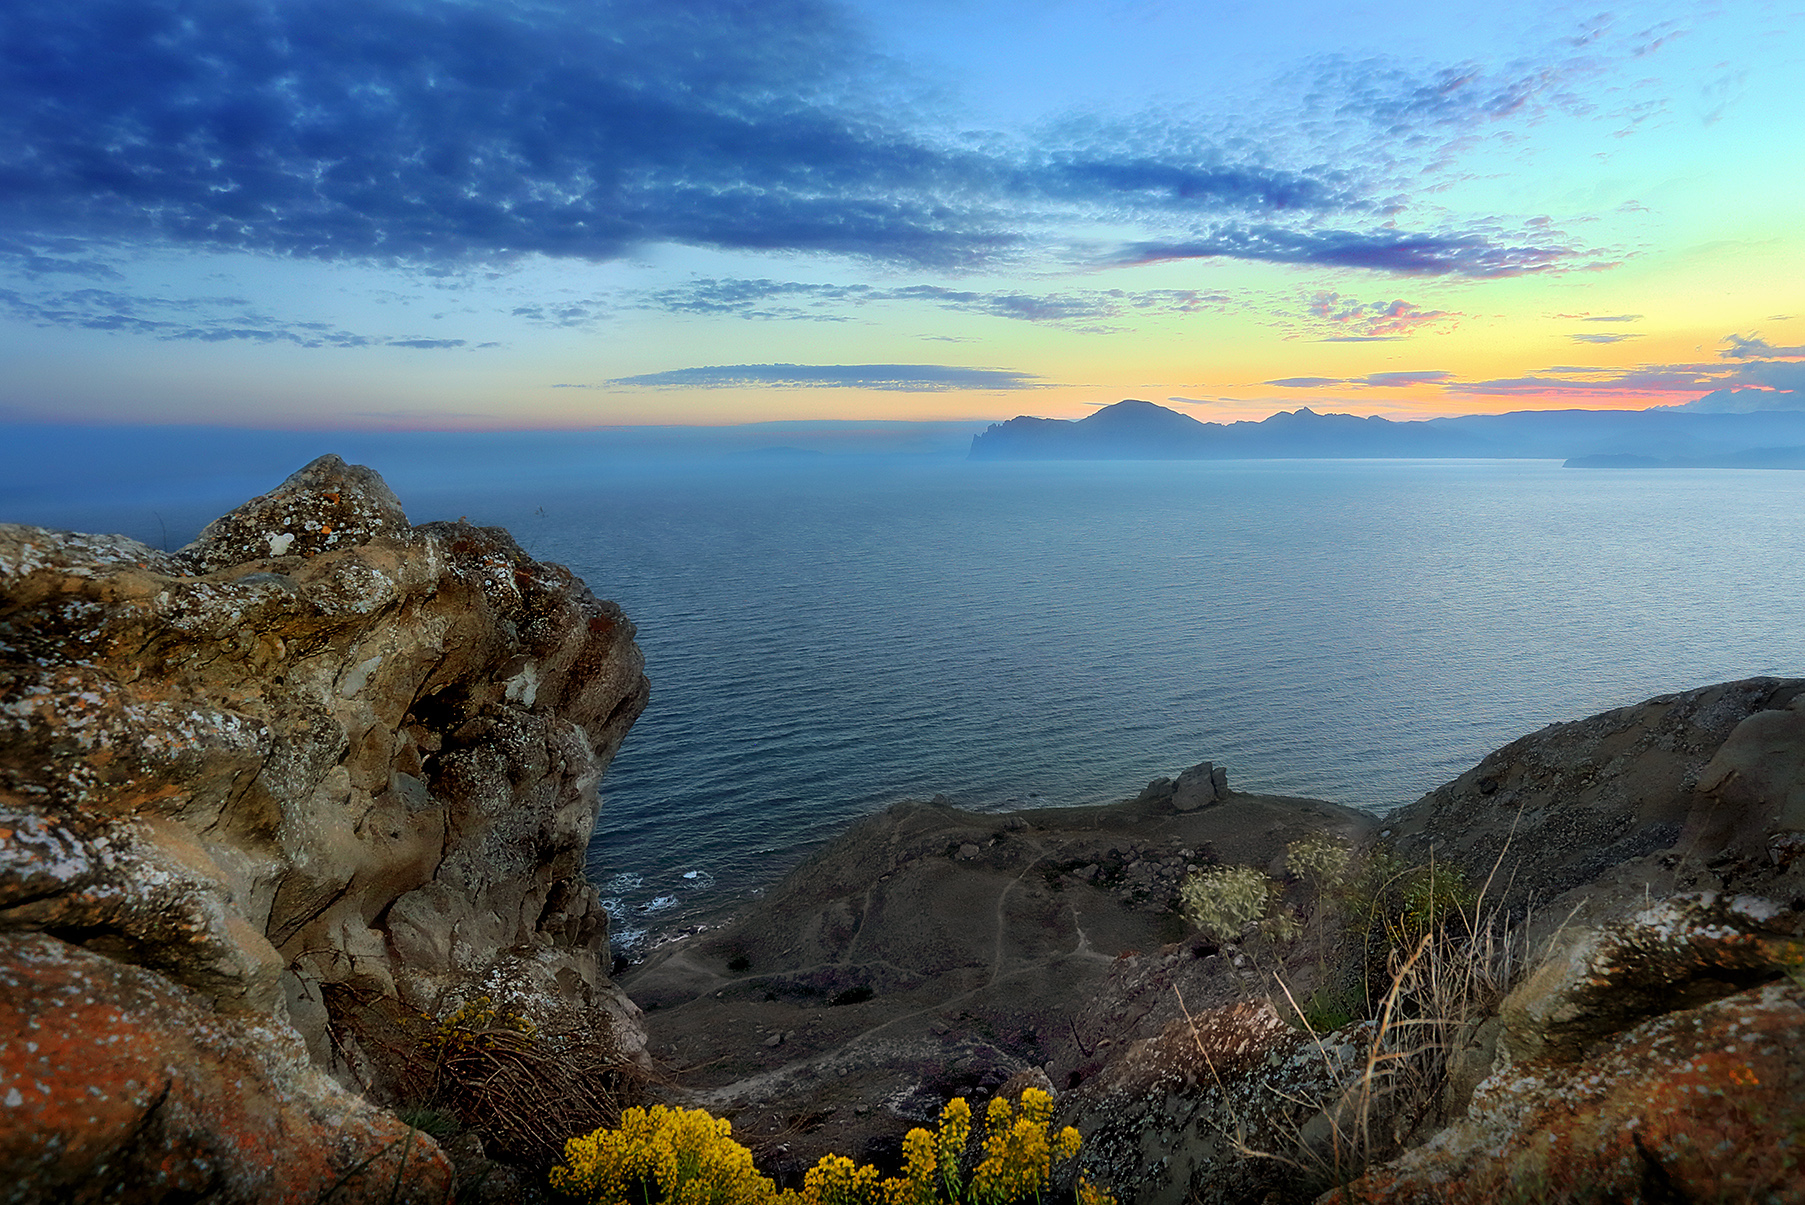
<point>1137,430</point>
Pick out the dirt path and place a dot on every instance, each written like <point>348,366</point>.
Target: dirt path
<point>929,953</point>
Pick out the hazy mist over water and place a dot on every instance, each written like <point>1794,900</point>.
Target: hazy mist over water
<point>828,635</point>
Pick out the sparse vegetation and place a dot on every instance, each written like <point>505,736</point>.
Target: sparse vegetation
<point>484,1067</point>
<point>1435,963</point>
<point>1223,900</point>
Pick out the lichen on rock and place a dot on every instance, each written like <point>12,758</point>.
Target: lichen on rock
<point>316,748</point>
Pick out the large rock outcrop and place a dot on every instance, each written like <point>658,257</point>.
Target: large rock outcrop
<point>1712,776</point>
<point>318,756</point>
<point>1659,1058</point>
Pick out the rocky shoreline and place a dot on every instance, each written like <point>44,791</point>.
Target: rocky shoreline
<point>1646,867</point>
<point>292,908</point>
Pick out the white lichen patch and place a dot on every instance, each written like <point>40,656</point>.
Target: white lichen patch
<point>523,687</point>
<point>357,676</point>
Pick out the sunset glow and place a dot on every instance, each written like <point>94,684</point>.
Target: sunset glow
<point>491,214</point>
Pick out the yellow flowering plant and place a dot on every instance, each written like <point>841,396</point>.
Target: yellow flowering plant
<point>674,1156</point>
<point>665,1156</point>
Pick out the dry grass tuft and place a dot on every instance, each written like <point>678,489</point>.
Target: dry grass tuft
<point>1449,960</point>
<point>524,1092</point>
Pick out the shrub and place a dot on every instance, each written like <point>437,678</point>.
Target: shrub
<point>1320,857</point>
<point>686,1157</point>
<point>683,1156</point>
<point>1224,900</point>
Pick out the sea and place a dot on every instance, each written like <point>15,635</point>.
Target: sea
<point>828,635</point>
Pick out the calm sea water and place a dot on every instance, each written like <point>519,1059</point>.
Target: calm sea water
<point>825,638</point>
<point>823,641</point>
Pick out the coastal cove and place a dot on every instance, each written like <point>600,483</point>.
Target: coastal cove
<point>828,639</point>
<point>294,831</point>
<point>828,635</point>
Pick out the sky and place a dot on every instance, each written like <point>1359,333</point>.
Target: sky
<point>477,214</point>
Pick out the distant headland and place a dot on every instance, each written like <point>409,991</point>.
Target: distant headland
<point>1138,430</point>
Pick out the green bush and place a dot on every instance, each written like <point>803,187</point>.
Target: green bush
<point>1223,900</point>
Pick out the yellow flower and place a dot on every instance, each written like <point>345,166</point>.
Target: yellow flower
<point>662,1156</point>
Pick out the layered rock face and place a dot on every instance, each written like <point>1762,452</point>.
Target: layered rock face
<point>316,751</point>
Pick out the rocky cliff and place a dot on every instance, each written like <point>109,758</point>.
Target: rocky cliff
<point>1616,1012</point>
<point>319,767</point>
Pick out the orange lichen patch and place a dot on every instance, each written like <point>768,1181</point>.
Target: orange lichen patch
<point>110,1077</point>
<point>1702,1105</point>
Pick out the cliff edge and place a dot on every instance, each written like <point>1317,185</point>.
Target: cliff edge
<point>268,800</point>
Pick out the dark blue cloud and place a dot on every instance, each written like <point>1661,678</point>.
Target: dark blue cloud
<point>1402,252</point>
<point>1373,380</point>
<point>433,132</point>
<point>189,319</point>
<point>907,378</point>
<point>426,131</point>
<point>770,299</point>
<point>1754,347</point>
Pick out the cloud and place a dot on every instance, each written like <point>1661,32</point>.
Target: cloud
<point>1400,252</point>
<point>906,378</point>
<point>1754,347</point>
<point>1717,379</point>
<point>1399,380</point>
<point>1601,317</point>
<point>1085,309</point>
<point>563,314</point>
<point>437,133</point>
<point>1646,378</point>
<point>191,319</point>
<point>53,257</point>
<point>1375,380</point>
<point>386,130</point>
<point>1399,101</point>
<point>1597,338</point>
<point>1353,320</point>
<point>1774,375</point>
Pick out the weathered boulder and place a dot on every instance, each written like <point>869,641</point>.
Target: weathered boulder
<point>1653,1053</point>
<point>1685,950</point>
<point>1211,1108</point>
<point>115,1084</point>
<point>1659,1059</point>
<point>1196,788</point>
<point>317,749</point>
